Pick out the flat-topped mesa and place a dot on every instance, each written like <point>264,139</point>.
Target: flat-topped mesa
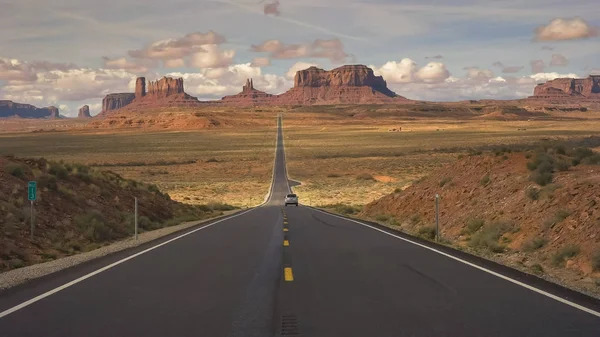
<point>13,109</point>
<point>569,88</point>
<point>344,76</point>
<point>116,101</point>
<point>352,84</point>
<point>164,87</point>
<point>84,112</point>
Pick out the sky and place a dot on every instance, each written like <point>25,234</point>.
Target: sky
<point>68,53</point>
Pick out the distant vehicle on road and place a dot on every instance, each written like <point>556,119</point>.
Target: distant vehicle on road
<point>291,199</point>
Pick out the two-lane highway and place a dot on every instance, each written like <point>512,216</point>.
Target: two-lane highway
<point>286,271</point>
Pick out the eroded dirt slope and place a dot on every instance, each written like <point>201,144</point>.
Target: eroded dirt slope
<point>495,205</point>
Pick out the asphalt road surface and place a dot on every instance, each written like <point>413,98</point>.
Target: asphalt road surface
<point>287,271</point>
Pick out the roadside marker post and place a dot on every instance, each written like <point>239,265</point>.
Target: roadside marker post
<point>135,219</point>
<point>31,195</point>
<point>437,217</point>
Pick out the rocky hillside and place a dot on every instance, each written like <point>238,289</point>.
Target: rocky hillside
<point>12,109</point>
<point>78,209</point>
<point>538,211</point>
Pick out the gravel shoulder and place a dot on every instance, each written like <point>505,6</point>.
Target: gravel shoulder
<point>18,276</point>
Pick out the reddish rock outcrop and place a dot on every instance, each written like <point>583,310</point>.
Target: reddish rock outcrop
<point>140,87</point>
<point>13,109</point>
<point>569,88</point>
<point>248,96</point>
<point>353,84</point>
<point>116,101</point>
<point>164,87</point>
<point>84,112</point>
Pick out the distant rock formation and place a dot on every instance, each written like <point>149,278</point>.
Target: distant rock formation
<point>248,96</point>
<point>116,101</point>
<point>569,89</point>
<point>164,87</point>
<point>354,84</point>
<point>140,87</point>
<point>84,112</point>
<point>351,84</point>
<point>12,109</point>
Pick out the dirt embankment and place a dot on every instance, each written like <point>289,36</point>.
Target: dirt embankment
<point>534,211</point>
<point>78,209</point>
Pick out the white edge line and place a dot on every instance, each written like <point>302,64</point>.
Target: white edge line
<point>114,264</point>
<point>524,285</point>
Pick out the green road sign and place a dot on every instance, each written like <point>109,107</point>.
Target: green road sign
<point>32,190</point>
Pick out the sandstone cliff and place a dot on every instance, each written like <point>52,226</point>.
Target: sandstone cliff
<point>248,96</point>
<point>84,112</point>
<point>116,101</point>
<point>352,84</point>
<point>12,109</point>
<point>569,88</point>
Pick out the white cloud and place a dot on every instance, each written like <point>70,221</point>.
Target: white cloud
<point>558,60</point>
<point>537,66</point>
<point>56,86</point>
<point>565,29</point>
<point>178,48</point>
<point>544,77</point>
<point>332,50</point>
<point>215,83</point>
<point>261,62</point>
<point>125,64</point>
<point>407,71</point>
<point>291,74</point>
<point>15,70</point>
<point>212,57</point>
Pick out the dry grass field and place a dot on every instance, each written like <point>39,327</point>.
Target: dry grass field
<point>228,165</point>
<point>353,161</point>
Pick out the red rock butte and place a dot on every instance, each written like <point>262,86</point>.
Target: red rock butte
<point>569,89</point>
<point>13,109</point>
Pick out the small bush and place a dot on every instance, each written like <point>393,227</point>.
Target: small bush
<point>15,170</point>
<point>364,176</point>
<point>445,181</point>
<point>94,227</point>
<point>58,170</point>
<point>219,206</point>
<point>393,222</point>
<point>592,160</point>
<point>474,225</point>
<point>542,179</point>
<point>532,193</point>
<point>537,268</point>
<point>212,160</point>
<point>146,224</point>
<point>47,181</point>
<point>333,175</point>
<point>596,260</point>
<point>415,219</point>
<point>427,232</point>
<point>485,180</point>
<point>534,244</point>
<point>382,217</point>
<point>153,188</point>
<point>562,165</point>
<point>488,236</point>
<point>397,190</point>
<point>566,252</point>
<point>344,209</point>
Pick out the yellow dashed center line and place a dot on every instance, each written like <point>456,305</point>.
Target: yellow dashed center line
<point>288,274</point>
<point>286,230</point>
<point>285,222</point>
<point>286,243</point>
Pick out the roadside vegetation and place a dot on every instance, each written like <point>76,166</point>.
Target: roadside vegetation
<point>79,209</point>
